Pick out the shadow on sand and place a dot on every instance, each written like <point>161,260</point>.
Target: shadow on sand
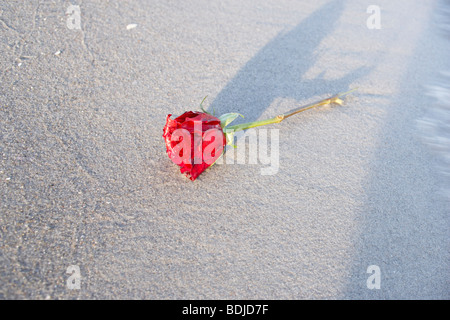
<point>276,71</point>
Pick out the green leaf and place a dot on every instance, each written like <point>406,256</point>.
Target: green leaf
<point>229,135</point>
<point>201,106</point>
<point>227,118</point>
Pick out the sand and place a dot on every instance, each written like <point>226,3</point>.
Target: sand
<point>85,180</point>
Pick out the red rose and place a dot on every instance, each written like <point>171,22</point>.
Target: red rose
<point>194,141</point>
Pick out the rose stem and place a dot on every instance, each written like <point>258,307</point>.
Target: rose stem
<point>281,117</point>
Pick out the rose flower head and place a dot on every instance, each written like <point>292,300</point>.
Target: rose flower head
<point>194,141</point>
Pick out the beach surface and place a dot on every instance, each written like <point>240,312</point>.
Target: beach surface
<point>92,207</point>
